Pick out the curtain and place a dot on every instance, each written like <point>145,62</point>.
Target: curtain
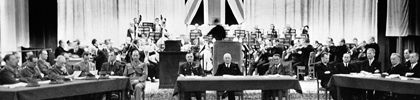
<point>339,19</point>
<point>14,25</point>
<point>402,19</point>
<point>109,19</point>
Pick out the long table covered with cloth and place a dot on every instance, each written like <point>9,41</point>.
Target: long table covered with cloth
<point>395,85</point>
<point>234,83</point>
<point>67,89</point>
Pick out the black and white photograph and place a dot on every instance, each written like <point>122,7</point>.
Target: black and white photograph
<point>209,49</point>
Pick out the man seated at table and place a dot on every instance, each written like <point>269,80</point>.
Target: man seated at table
<point>277,68</point>
<point>9,73</point>
<point>191,68</point>
<point>42,63</point>
<point>324,70</point>
<point>228,68</point>
<point>113,66</point>
<point>60,69</point>
<point>370,65</point>
<point>396,68</point>
<point>346,68</point>
<point>31,70</point>
<point>86,65</point>
<point>414,68</point>
<point>137,72</point>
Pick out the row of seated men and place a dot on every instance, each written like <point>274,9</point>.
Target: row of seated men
<point>38,69</point>
<point>191,68</point>
<point>325,70</point>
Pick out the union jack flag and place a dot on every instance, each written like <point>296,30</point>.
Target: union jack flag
<point>205,11</point>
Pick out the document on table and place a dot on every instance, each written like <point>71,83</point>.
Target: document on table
<point>20,84</point>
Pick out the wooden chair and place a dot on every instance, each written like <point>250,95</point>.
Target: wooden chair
<point>300,70</point>
<point>320,88</point>
<point>311,65</point>
<point>239,94</point>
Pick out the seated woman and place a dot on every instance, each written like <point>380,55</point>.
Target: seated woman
<point>137,72</point>
<point>86,65</point>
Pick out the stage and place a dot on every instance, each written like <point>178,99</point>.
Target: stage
<point>309,89</point>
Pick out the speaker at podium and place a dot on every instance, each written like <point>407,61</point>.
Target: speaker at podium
<point>222,47</point>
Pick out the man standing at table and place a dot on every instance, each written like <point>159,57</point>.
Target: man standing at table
<point>276,69</point>
<point>228,68</point>
<point>346,68</point>
<point>190,68</point>
<point>9,74</point>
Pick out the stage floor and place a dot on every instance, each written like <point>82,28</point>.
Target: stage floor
<point>309,89</point>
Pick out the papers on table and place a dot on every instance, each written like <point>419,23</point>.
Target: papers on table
<point>20,84</point>
<point>117,77</point>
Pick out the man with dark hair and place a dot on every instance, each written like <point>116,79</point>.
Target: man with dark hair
<point>113,66</point>
<point>191,68</point>
<point>76,49</point>
<point>86,65</point>
<point>345,67</point>
<point>42,63</point>
<point>340,50</point>
<point>276,68</point>
<point>9,74</point>
<point>218,32</point>
<point>324,70</point>
<point>407,57</point>
<point>60,49</point>
<point>31,70</point>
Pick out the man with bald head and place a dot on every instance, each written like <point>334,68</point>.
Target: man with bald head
<point>60,68</point>
<point>228,68</point>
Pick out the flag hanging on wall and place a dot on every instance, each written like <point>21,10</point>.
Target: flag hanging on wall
<point>205,11</point>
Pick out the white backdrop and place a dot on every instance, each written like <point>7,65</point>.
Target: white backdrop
<point>109,19</point>
<point>326,18</point>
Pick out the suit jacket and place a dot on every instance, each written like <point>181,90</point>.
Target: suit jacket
<point>79,52</point>
<point>117,67</point>
<point>188,69</point>
<point>8,75</point>
<point>320,69</point>
<point>59,50</point>
<point>281,69</point>
<point>351,68</point>
<point>399,69</point>
<point>44,66</point>
<point>232,70</point>
<point>371,68</point>
<point>415,70</point>
<point>85,67</point>
<point>101,58</point>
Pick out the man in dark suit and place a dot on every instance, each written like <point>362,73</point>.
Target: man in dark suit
<point>374,45</point>
<point>9,74</point>
<point>218,32</point>
<point>276,67</point>
<point>228,68</point>
<point>370,65</point>
<point>191,68</point>
<point>346,67</point>
<point>113,66</point>
<point>60,49</point>
<point>396,68</point>
<point>414,68</point>
<point>42,63</point>
<point>324,70</point>
<point>407,57</point>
